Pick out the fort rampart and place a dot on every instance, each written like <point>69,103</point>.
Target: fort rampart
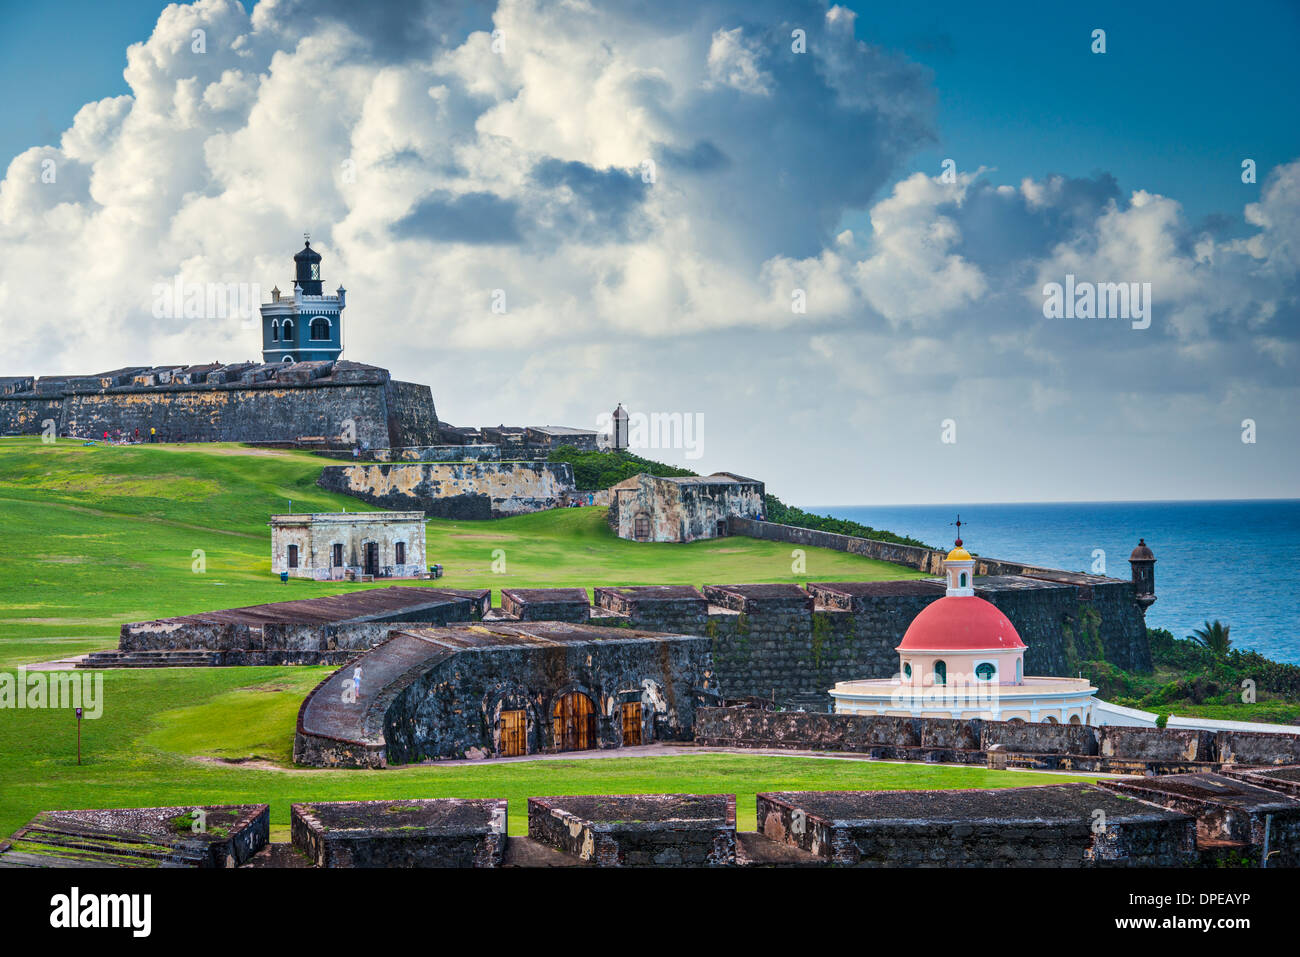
<point>464,490</point>
<point>346,403</point>
<point>1016,744</point>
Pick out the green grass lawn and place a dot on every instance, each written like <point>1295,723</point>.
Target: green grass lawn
<point>156,725</point>
<point>95,536</point>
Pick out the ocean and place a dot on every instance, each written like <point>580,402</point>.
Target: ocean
<point>1237,561</point>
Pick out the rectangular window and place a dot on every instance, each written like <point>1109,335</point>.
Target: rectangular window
<point>337,558</point>
<point>400,553</point>
<point>293,556</point>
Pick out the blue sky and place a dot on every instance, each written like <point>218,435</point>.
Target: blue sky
<point>1184,92</point>
<point>435,169</point>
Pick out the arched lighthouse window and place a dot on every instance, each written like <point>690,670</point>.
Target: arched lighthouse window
<point>288,330</point>
<point>275,330</point>
<point>962,583</point>
<point>940,673</point>
<point>320,328</point>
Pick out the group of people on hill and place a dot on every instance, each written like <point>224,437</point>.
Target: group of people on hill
<point>118,437</point>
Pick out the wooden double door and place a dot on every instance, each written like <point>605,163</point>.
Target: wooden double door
<point>573,722</point>
<point>514,733</point>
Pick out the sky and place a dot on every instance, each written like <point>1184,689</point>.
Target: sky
<point>831,260</point>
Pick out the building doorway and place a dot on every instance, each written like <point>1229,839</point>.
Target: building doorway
<point>514,733</point>
<point>574,722</point>
<point>372,558</point>
<point>631,723</point>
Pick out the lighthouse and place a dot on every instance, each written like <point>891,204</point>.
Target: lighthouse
<point>305,325</point>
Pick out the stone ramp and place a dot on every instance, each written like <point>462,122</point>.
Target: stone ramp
<point>336,727</point>
<point>229,835</point>
<point>99,660</point>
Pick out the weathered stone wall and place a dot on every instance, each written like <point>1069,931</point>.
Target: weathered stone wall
<point>799,656</point>
<point>438,832</point>
<point>645,830</point>
<point>680,511</point>
<point>466,490</point>
<point>454,707</point>
<point>1255,747</point>
<point>412,419</point>
<point>436,453</point>
<point>1104,748</point>
<point>295,637</point>
<point>24,415</point>
<point>1064,617</point>
<point>232,414</point>
<point>1050,826</point>
<point>352,403</point>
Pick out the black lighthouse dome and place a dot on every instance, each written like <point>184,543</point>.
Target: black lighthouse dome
<point>306,264</point>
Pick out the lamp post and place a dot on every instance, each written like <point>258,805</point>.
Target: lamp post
<point>78,736</point>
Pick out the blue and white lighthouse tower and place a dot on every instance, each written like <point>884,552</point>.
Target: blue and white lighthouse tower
<point>308,325</point>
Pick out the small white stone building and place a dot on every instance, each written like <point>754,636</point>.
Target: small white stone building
<point>647,508</point>
<point>348,545</point>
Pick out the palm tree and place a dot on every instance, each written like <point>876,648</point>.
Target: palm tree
<point>1213,637</point>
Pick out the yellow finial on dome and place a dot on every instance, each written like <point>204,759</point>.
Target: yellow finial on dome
<point>958,554</point>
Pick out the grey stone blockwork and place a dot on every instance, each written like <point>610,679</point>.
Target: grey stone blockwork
<point>794,644</point>
<point>453,707</point>
<point>429,832</point>
<point>465,490</point>
<point>1046,826</point>
<point>645,830</point>
<point>343,402</point>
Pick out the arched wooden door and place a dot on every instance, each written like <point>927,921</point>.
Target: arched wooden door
<point>573,722</point>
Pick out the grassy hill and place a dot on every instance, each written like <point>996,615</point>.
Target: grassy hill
<point>186,736</point>
<point>94,536</point>
<point>98,535</point>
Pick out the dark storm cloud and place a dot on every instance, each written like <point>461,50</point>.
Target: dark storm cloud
<point>476,218</point>
<point>394,30</point>
<point>587,204</point>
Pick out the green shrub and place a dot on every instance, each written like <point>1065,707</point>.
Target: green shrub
<point>593,471</point>
<point>777,511</point>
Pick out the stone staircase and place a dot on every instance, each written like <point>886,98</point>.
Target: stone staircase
<point>140,837</point>
<point>171,658</point>
<point>48,847</point>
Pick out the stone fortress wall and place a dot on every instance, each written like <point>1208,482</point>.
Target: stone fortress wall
<point>340,402</point>
<point>465,490</point>
<point>1106,749</point>
<point>792,643</point>
<point>782,642</point>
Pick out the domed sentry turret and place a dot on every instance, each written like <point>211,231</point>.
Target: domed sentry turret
<point>1143,563</point>
<point>307,270</point>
